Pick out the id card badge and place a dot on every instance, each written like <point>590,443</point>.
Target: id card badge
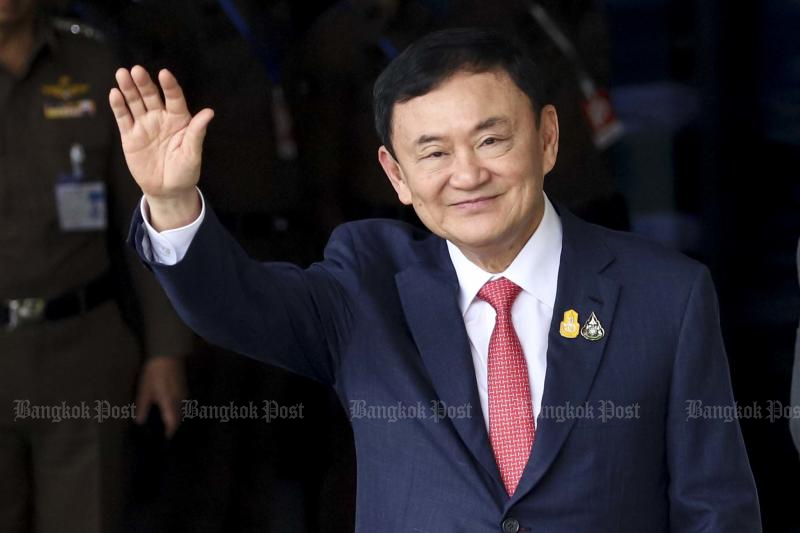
<point>81,206</point>
<point>81,203</point>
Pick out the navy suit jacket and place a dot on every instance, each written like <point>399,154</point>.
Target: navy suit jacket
<point>378,319</point>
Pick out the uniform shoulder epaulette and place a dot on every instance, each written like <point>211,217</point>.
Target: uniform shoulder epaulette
<point>75,27</point>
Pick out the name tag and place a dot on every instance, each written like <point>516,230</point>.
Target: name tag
<point>81,206</point>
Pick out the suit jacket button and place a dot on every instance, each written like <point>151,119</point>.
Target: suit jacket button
<point>510,525</point>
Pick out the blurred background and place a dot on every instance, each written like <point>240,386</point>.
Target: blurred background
<point>680,121</point>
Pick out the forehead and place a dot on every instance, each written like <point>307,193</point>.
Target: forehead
<point>460,103</point>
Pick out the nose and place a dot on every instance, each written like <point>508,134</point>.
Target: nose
<point>468,171</point>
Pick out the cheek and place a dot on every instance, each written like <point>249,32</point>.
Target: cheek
<point>525,173</point>
<point>427,189</point>
<point>424,206</point>
<point>430,207</point>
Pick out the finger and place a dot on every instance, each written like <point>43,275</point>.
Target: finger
<point>173,94</point>
<point>148,89</point>
<point>132,97</point>
<point>169,416</point>
<point>143,404</point>
<point>120,110</point>
<point>196,130</point>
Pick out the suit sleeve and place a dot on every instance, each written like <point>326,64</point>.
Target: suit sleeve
<point>275,312</point>
<point>711,486</point>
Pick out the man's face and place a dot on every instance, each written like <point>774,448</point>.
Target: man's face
<point>15,12</point>
<point>471,161</point>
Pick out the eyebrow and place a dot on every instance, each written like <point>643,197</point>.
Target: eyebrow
<point>490,123</point>
<point>485,125</point>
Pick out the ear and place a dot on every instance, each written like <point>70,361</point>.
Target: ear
<point>548,133</point>
<point>395,174</point>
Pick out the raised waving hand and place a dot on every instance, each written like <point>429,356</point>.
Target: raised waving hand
<point>162,142</point>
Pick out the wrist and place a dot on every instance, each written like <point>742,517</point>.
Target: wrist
<point>173,211</point>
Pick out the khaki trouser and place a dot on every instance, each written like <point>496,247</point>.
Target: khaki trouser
<point>67,475</point>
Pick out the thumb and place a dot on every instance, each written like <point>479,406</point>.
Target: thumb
<point>196,130</point>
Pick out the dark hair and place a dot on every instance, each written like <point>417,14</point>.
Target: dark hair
<point>434,58</point>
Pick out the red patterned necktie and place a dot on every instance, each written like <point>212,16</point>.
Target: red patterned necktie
<point>511,428</point>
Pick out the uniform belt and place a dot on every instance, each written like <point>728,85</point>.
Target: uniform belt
<point>23,311</point>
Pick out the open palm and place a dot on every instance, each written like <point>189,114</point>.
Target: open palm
<point>161,140</point>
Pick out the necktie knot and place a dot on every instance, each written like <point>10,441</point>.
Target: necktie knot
<point>500,294</point>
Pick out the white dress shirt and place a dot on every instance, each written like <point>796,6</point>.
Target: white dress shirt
<point>535,270</point>
<point>169,246</point>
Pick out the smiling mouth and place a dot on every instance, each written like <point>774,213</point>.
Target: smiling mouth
<point>475,202</point>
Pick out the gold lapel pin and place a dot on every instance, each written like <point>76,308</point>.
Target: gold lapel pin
<point>592,330</point>
<point>570,326</point>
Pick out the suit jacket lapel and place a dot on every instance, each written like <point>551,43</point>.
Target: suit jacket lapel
<point>429,295</point>
<point>571,363</point>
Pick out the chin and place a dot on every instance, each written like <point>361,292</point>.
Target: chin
<point>474,239</point>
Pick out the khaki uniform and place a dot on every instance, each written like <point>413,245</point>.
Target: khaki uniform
<point>57,137</point>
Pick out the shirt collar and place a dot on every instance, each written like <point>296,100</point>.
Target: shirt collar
<point>535,269</point>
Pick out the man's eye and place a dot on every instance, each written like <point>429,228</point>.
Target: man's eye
<point>434,155</point>
<point>490,141</point>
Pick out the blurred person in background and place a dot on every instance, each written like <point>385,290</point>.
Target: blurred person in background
<point>343,53</point>
<point>71,331</point>
<point>246,66</point>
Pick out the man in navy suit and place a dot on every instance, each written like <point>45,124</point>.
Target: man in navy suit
<point>515,370</point>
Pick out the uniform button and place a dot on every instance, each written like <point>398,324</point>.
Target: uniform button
<point>166,251</point>
<point>510,525</point>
